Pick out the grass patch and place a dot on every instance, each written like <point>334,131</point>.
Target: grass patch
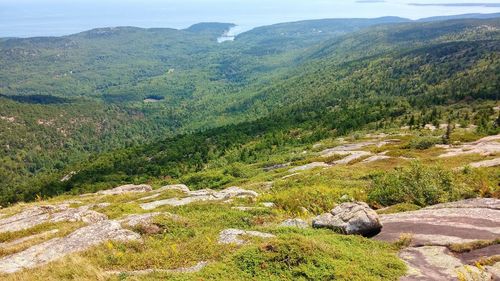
<point>470,246</point>
<point>64,228</point>
<point>398,208</point>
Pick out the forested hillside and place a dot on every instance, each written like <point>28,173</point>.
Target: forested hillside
<point>63,99</point>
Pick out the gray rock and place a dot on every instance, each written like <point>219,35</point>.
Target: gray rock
<point>350,218</point>
<point>486,146</point>
<point>232,236</point>
<point>375,158</point>
<point>486,163</point>
<point>129,188</point>
<point>49,213</point>
<point>156,195</point>
<point>68,176</point>
<point>233,192</point>
<point>298,223</point>
<point>350,156</point>
<point>345,198</point>
<point>309,166</point>
<point>80,240</point>
<point>102,205</point>
<point>345,148</point>
<point>201,196</point>
<point>177,187</point>
<point>139,219</point>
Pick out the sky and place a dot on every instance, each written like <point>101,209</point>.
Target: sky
<point>27,18</point>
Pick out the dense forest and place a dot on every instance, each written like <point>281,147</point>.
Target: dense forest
<point>116,105</point>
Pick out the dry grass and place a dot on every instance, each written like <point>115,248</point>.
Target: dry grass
<point>470,246</point>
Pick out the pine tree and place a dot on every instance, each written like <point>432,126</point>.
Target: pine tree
<point>447,134</point>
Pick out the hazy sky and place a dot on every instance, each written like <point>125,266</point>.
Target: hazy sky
<point>57,17</point>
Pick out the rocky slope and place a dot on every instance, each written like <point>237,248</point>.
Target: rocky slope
<point>151,232</point>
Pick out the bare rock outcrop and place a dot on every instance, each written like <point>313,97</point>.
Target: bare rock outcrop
<point>309,166</point>
<point>350,156</point>
<point>176,187</point>
<point>56,248</point>
<point>139,219</point>
<point>375,158</point>
<point>298,223</point>
<point>128,188</point>
<point>201,196</point>
<point>476,203</point>
<point>486,146</point>
<point>233,236</point>
<point>350,218</point>
<point>49,213</point>
<point>433,229</point>
<point>444,224</point>
<point>486,163</point>
<point>437,263</point>
<point>352,153</point>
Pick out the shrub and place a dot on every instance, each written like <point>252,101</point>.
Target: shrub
<point>423,143</point>
<point>417,184</point>
<point>210,179</point>
<point>315,198</point>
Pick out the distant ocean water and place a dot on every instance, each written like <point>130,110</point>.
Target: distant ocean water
<point>28,18</point>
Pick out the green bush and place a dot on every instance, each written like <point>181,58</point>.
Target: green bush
<point>423,143</point>
<point>209,179</point>
<point>417,184</point>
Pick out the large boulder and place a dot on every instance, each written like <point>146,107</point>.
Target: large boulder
<point>350,218</point>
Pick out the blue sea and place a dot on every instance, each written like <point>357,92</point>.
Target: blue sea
<point>28,18</point>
